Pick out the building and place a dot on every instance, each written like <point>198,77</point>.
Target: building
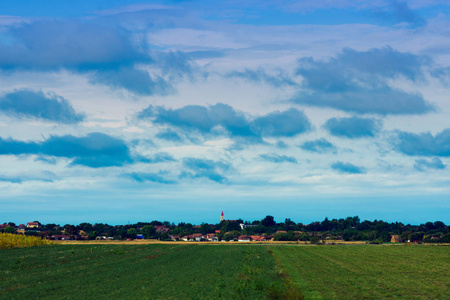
<point>396,239</point>
<point>246,226</point>
<point>33,225</point>
<point>222,217</point>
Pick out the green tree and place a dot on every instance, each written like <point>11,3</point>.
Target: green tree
<point>132,233</point>
<point>9,229</point>
<point>70,229</point>
<point>268,221</point>
<point>148,231</point>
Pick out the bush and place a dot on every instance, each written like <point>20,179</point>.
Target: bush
<point>8,240</point>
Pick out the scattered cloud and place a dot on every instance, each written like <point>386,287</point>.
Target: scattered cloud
<point>106,53</point>
<point>275,158</point>
<point>319,146</point>
<point>152,177</point>
<point>169,135</point>
<point>37,105</point>
<point>160,157</point>
<point>94,150</point>
<point>434,163</point>
<point>286,123</point>
<point>221,117</point>
<point>357,81</point>
<point>261,76</point>
<point>205,168</point>
<point>44,176</point>
<point>399,12</point>
<point>344,167</point>
<point>353,127</point>
<point>424,144</point>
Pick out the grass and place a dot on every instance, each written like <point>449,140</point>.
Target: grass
<point>202,271</point>
<point>368,272</point>
<point>8,240</point>
<point>140,272</point>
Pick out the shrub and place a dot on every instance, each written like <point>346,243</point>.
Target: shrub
<point>8,240</point>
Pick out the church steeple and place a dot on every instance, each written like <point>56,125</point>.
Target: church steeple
<point>222,218</point>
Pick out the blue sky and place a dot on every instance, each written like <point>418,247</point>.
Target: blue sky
<point>126,111</point>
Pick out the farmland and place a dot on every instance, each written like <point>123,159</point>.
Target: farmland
<point>230,271</point>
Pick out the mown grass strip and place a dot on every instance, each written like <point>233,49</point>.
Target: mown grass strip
<point>373,272</point>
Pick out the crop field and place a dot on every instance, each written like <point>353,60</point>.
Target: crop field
<point>140,272</point>
<point>229,271</point>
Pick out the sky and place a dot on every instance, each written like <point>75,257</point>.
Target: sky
<point>125,111</point>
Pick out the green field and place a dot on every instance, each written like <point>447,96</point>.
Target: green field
<point>177,271</point>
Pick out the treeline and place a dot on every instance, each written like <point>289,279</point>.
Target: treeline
<point>348,229</point>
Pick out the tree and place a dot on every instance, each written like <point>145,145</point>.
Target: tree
<point>70,229</point>
<point>148,231</point>
<point>268,221</point>
<point>132,233</point>
<point>9,229</point>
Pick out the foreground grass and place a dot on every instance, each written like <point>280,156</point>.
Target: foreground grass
<point>8,241</point>
<point>141,272</point>
<point>368,272</point>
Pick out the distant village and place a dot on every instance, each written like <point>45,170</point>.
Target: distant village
<point>326,231</point>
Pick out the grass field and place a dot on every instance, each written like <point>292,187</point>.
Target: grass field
<point>368,271</point>
<point>183,271</point>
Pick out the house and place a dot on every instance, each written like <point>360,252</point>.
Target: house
<point>243,226</point>
<point>244,238</point>
<point>396,239</point>
<point>212,237</point>
<point>198,237</point>
<point>61,237</point>
<point>174,237</point>
<point>258,238</point>
<point>33,225</point>
<point>161,228</point>
<point>3,226</point>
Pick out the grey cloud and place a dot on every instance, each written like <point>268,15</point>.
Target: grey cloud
<point>198,168</point>
<point>356,81</point>
<point>211,119</point>
<point>353,127</point>
<point>423,164</point>
<point>382,101</point>
<point>103,51</point>
<point>399,12</point>
<point>424,144</point>
<point>94,150</point>
<point>319,146</point>
<point>261,76</point>
<point>37,105</point>
<point>152,177</point>
<point>343,167</point>
<point>287,123</point>
<point>275,158</point>
<point>169,135</point>
<point>161,157</point>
